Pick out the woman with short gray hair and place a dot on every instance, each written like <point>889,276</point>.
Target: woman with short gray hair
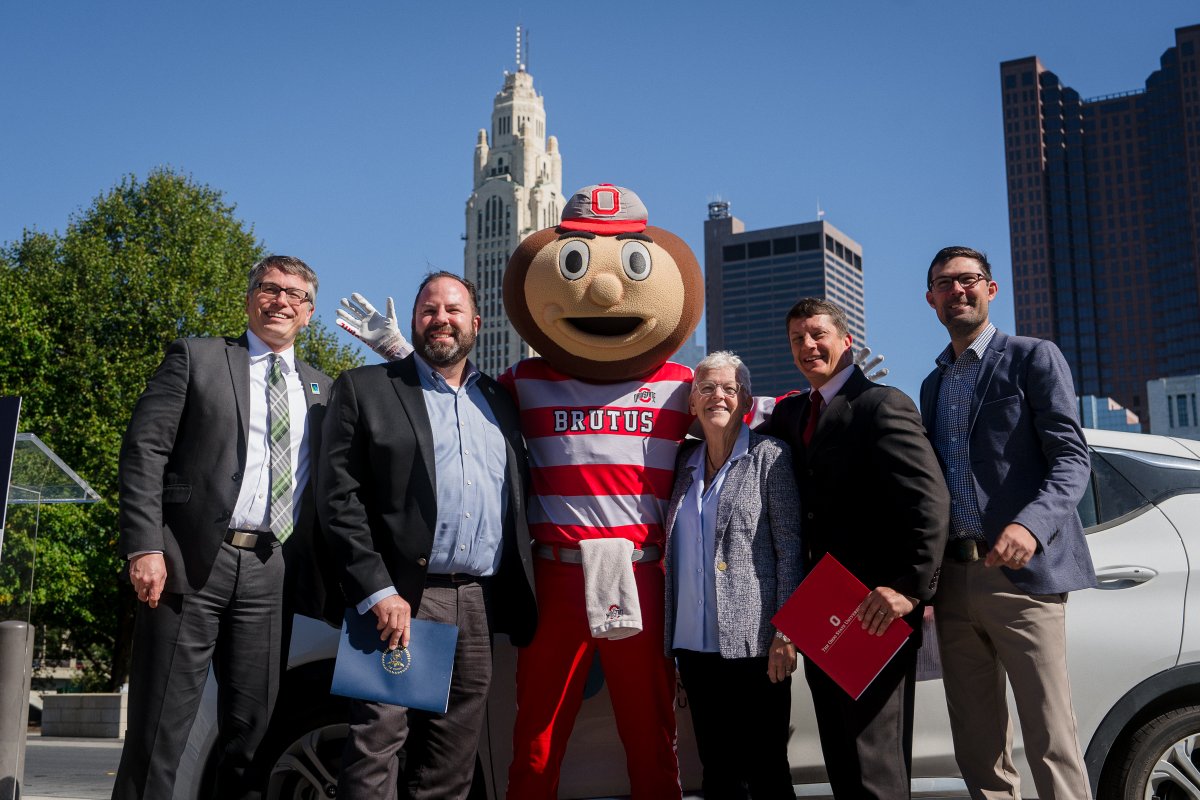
<point>732,559</point>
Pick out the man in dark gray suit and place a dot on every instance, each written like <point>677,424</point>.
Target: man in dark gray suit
<point>214,477</point>
<point>1001,411</point>
<point>422,493</point>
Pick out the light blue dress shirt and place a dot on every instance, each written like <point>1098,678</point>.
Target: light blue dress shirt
<point>470,467</point>
<point>693,548</point>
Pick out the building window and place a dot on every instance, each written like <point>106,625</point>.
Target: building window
<point>1181,407</point>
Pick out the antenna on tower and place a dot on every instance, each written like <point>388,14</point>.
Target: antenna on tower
<point>522,49</point>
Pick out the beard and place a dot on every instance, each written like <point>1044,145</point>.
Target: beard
<point>443,353</point>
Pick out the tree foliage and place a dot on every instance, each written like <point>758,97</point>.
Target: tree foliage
<point>85,317</point>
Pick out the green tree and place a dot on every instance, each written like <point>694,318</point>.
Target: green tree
<point>85,318</point>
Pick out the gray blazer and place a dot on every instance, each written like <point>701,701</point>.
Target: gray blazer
<point>757,549</point>
<point>1028,457</point>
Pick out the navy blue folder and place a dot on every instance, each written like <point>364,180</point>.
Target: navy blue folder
<point>417,676</point>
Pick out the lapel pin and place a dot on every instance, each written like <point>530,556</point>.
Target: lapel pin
<point>314,387</point>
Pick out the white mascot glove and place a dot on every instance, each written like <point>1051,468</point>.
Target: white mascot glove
<point>868,365</point>
<point>377,331</point>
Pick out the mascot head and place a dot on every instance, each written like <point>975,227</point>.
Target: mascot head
<point>604,296</point>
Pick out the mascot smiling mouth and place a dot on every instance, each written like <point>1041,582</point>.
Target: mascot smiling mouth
<point>604,326</point>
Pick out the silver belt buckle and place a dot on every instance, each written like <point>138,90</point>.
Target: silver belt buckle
<point>243,539</point>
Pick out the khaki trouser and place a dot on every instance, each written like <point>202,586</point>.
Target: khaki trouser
<point>987,629</point>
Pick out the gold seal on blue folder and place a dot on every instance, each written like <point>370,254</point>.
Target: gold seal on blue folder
<point>416,676</point>
<point>396,661</point>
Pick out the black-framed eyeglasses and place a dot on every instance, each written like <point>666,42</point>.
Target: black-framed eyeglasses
<point>708,388</point>
<point>965,280</point>
<point>273,290</point>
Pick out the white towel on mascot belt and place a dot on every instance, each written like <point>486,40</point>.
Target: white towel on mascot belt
<point>609,588</point>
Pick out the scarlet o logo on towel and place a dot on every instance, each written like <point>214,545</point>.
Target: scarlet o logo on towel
<point>606,200</point>
<point>835,621</point>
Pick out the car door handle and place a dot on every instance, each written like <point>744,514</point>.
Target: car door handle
<point>1123,576</point>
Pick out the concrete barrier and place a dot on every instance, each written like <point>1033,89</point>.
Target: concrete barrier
<point>94,715</point>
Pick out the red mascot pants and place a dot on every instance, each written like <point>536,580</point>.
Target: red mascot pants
<point>551,673</point>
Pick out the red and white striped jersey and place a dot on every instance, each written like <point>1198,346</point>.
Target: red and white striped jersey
<point>602,455</point>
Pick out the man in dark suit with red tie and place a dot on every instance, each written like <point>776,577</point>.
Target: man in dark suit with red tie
<point>872,496</point>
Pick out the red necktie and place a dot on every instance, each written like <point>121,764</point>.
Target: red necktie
<point>816,401</point>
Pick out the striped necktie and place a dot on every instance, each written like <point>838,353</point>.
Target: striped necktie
<point>280,427</point>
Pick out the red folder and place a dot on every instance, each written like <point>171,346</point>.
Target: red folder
<point>820,618</point>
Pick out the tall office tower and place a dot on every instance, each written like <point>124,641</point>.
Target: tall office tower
<point>518,190</point>
<point>752,279</point>
<point>1104,221</point>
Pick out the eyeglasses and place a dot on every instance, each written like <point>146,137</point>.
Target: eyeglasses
<point>273,290</point>
<point>708,388</point>
<point>965,280</point>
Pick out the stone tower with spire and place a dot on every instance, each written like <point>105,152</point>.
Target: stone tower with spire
<point>518,190</point>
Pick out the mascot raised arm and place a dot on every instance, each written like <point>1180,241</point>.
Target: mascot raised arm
<point>605,299</point>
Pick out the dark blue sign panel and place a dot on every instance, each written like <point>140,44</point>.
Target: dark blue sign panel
<point>10,411</point>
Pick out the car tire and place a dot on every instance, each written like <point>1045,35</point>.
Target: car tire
<point>303,757</point>
<point>1161,761</point>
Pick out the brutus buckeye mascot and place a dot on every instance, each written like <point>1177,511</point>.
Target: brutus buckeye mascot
<point>605,299</point>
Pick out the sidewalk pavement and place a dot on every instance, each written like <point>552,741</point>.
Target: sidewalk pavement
<point>69,768</point>
<point>62,768</point>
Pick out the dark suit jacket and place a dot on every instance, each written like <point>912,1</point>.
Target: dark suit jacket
<point>1028,457</point>
<point>378,492</point>
<point>182,459</point>
<point>871,490</point>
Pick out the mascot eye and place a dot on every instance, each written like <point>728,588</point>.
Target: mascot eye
<point>635,258</point>
<point>573,259</point>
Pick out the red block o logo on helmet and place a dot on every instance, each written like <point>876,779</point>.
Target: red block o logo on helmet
<point>606,200</point>
<point>604,209</point>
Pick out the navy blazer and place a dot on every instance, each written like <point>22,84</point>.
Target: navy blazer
<point>1029,460</point>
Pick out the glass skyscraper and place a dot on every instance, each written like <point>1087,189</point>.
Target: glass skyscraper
<point>1104,221</point>
<point>752,279</point>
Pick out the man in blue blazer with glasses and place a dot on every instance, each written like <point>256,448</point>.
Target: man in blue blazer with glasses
<point>1002,414</point>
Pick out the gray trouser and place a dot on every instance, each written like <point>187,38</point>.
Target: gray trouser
<point>234,622</point>
<point>439,749</point>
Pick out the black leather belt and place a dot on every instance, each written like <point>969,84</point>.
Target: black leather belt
<point>248,540</point>
<point>966,550</point>
<point>450,579</point>
<point>572,555</point>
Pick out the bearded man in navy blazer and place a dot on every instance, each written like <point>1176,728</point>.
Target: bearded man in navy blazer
<point>215,475</point>
<point>1002,413</point>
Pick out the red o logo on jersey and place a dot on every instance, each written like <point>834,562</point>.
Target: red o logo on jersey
<point>606,201</point>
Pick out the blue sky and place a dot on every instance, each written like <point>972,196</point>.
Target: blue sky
<point>344,132</point>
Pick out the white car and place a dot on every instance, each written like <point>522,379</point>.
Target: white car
<point>1134,654</point>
